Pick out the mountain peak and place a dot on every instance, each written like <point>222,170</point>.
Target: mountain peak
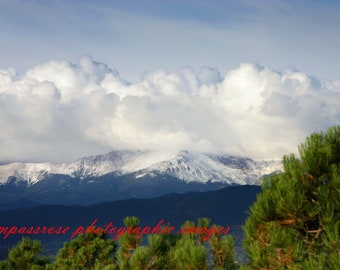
<point>185,165</point>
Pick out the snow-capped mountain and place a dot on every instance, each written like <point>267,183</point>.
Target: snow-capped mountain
<point>185,166</point>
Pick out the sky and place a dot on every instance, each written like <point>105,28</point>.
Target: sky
<point>250,78</point>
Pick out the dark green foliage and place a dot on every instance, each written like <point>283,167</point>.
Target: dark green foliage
<point>89,251</point>
<point>203,223</point>
<point>222,248</point>
<point>165,250</point>
<point>141,259</point>
<point>294,224</point>
<point>128,242</point>
<point>5,265</point>
<point>187,254</point>
<point>157,251</point>
<point>25,255</point>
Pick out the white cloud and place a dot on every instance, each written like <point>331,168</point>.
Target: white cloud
<point>61,111</point>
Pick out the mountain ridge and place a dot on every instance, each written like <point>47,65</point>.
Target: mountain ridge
<point>222,206</point>
<point>184,165</point>
<point>121,175</point>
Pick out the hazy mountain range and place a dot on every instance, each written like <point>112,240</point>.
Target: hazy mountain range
<point>126,174</point>
<point>226,207</point>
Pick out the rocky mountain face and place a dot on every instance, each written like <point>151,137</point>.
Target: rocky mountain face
<point>126,174</point>
<point>186,166</point>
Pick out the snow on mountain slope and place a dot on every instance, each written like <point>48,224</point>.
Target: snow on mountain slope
<point>184,165</point>
<point>30,172</point>
<point>204,167</point>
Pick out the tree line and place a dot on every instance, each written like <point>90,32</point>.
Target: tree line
<point>186,250</point>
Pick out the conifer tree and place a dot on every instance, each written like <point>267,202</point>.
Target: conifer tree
<point>141,259</point>
<point>165,250</point>
<point>5,265</point>
<point>222,248</point>
<point>26,255</point>
<point>203,223</point>
<point>187,253</point>
<point>87,251</point>
<point>128,242</point>
<point>155,256</point>
<point>294,223</point>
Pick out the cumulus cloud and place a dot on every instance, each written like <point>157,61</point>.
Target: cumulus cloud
<point>60,111</point>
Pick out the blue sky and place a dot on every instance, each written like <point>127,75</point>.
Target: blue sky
<point>138,36</point>
<point>250,78</point>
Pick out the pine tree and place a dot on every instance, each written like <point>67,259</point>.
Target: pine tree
<point>222,248</point>
<point>165,250</point>
<point>203,223</point>
<point>25,255</point>
<point>87,251</point>
<point>294,223</point>
<point>5,265</point>
<point>128,242</point>
<point>155,256</point>
<point>188,255</point>
<point>141,259</point>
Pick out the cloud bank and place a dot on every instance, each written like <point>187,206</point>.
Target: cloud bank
<point>60,111</point>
